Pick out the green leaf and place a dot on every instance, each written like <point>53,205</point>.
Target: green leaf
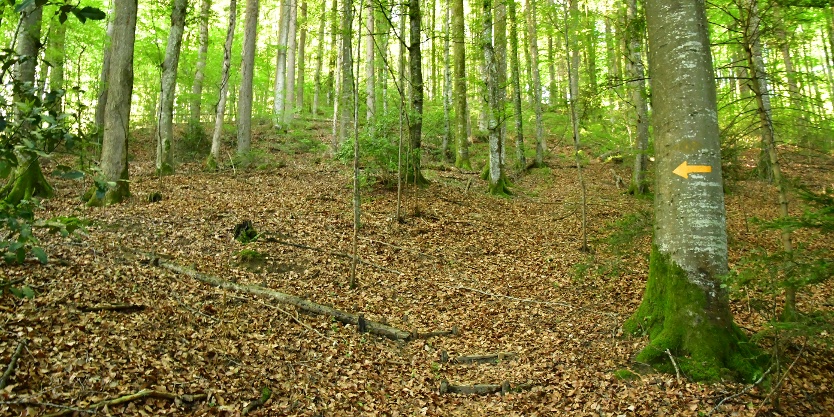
<point>91,13</point>
<point>40,254</point>
<point>24,291</point>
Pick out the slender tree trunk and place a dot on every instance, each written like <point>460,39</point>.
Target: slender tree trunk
<point>499,33</point>
<point>528,59</point>
<point>289,93</point>
<point>370,83</point>
<point>571,22</point>
<point>448,137</point>
<point>461,109</point>
<point>347,88</point>
<point>402,91</point>
<point>216,136</point>
<point>247,71</point>
<point>536,86</point>
<point>333,68</point>
<point>415,119</point>
<point>114,164</point>
<point>636,72</point>
<point>55,55</point>
<point>516,83</point>
<point>197,87</point>
<point>553,86</point>
<point>302,64</point>
<point>279,104</point>
<point>497,184</point>
<point>165,129</point>
<point>591,58</point>
<point>319,58</point>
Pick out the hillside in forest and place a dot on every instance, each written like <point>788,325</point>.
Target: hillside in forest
<point>467,305</point>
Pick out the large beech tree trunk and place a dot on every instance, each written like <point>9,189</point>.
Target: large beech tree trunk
<point>114,166</point>
<point>165,129</point>
<point>685,310</point>
<point>493,99</point>
<point>247,70</point>
<point>461,109</point>
<point>214,157</point>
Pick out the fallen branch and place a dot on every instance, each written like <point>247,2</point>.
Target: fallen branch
<point>124,308</point>
<point>742,392</point>
<point>675,364</point>
<point>42,405</point>
<point>482,389</point>
<point>332,253</point>
<point>493,358</point>
<point>4,380</point>
<point>5,284</point>
<point>305,305</point>
<point>145,393</point>
<point>265,394</point>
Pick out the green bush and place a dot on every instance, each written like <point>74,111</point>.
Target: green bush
<point>378,149</point>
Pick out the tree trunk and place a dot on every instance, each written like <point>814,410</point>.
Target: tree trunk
<point>572,22</point>
<point>536,85</point>
<point>101,101</point>
<point>114,165</point>
<point>289,102</point>
<point>499,33</point>
<point>346,99</point>
<point>224,88</point>
<point>554,94</point>
<point>194,125</point>
<point>415,127</point>
<point>302,64</point>
<point>247,71</point>
<point>165,129</point>
<point>55,55</point>
<point>461,110</point>
<point>28,180</point>
<point>497,182</point>
<point>634,65</point>
<point>516,83</point>
<point>279,105</point>
<point>685,309</point>
<point>370,83</point>
<point>447,87</point>
<point>590,42</point>
<point>319,58</point>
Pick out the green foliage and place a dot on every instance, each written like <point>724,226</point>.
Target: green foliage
<point>378,149</point>
<point>257,159</point>
<point>245,232</point>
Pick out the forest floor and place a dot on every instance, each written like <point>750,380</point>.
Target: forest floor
<point>507,273</point>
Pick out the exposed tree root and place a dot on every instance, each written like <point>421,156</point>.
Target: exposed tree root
<point>4,380</point>
<point>145,393</point>
<point>482,389</point>
<point>124,308</point>
<point>305,305</point>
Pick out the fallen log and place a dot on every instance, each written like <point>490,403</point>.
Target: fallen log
<point>493,358</point>
<point>124,308</point>
<point>482,389</point>
<point>305,305</point>
<point>145,393</point>
<point>4,380</point>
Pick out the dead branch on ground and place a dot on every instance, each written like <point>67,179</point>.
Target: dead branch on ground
<point>4,380</point>
<point>493,358</point>
<point>123,308</point>
<point>482,389</point>
<point>145,393</point>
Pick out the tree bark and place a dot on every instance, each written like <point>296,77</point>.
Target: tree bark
<point>636,72</point>
<point>194,125</point>
<point>685,310</point>
<point>497,182</point>
<point>101,101</point>
<point>516,83</point>
<point>224,87</point>
<point>302,64</point>
<point>415,127</point>
<point>461,110</point>
<point>114,165</point>
<point>247,71</point>
<point>165,129</point>
<point>535,81</point>
<point>289,93</point>
<point>448,136</point>
<point>279,103</point>
<point>319,58</point>
<point>370,83</point>
<point>55,55</point>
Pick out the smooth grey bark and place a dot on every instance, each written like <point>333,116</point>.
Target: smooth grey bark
<point>224,84</point>
<point>492,100</point>
<point>515,78</point>
<point>636,71</point>
<point>499,34</point>
<point>535,81</point>
<point>370,83</point>
<point>279,104</point>
<point>289,93</point>
<point>302,63</point>
<point>195,107</point>
<point>319,59</point>
<point>114,165</point>
<point>448,136</point>
<point>165,119</point>
<point>101,102</point>
<point>247,71</point>
<point>461,109</point>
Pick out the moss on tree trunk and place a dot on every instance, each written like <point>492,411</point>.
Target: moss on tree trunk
<point>29,182</point>
<point>703,339</point>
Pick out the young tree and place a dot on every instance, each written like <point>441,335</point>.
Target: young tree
<point>247,70</point>
<point>447,87</point>
<point>493,99</point>
<point>370,93</point>
<point>28,178</point>
<point>302,64</point>
<point>685,309</point>
<point>199,74</point>
<point>461,109</point>
<point>278,104</point>
<point>415,127</point>
<point>165,129</point>
<point>319,58</point>
<point>634,65</point>
<point>535,80</point>
<point>289,93</point>
<point>114,165</point>
<point>515,68</point>
<point>214,157</point>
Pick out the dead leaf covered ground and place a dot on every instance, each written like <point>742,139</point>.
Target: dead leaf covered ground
<point>507,273</point>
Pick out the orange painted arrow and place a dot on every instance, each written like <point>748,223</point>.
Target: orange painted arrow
<point>685,169</point>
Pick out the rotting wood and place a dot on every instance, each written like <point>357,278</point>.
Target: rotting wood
<point>266,393</point>
<point>306,305</point>
<point>4,380</point>
<point>493,358</point>
<point>123,308</point>
<point>337,254</point>
<point>482,389</point>
<point>145,393</point>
